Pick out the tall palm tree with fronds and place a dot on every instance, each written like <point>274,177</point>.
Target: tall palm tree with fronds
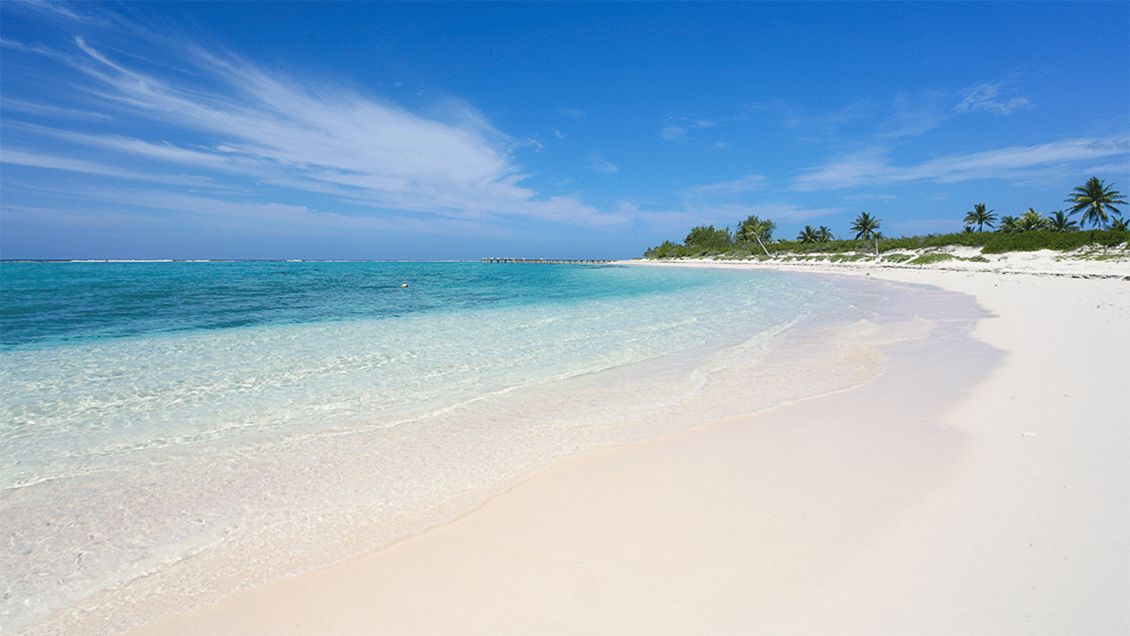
<point>1093,199</point>
<point>865,226</point>
<point>808,235</point>
<point>824,234</point>
<point>980,216</point>
<point>1058,222</point>
<point>1031,220</point>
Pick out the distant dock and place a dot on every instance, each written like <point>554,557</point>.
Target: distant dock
<point>546,260</point>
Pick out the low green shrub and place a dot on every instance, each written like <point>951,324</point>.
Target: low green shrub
<point>990,242</point>
<point>967,239</point>
<point>1047,240</point>
<point>927,259</point>
<point>668,250</point>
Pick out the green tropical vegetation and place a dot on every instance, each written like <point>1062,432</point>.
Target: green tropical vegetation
<point>1059,222</point>
<point>980,216</point>
<point>754,228</point>
<point>865,226</point>
<point>1031,220</point>
<point>753,237</point>
<point>1093,199</point>
<point>709,237</point>
<point>757,230</point>
<point>822,234</point>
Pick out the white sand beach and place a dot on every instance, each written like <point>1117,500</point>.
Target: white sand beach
<point>939,498</point>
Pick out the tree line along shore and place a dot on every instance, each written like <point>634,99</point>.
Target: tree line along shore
<point>1094,201</point>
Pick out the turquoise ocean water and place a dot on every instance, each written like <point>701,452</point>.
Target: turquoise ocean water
<point>172,432</point>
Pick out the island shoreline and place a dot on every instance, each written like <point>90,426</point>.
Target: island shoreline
<point>1022,475</point>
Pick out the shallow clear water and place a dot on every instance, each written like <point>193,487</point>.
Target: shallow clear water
<point>174,430</point>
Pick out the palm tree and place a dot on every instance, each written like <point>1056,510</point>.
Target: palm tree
<point>1119,225</point>
<point>824,234</point>
<point>865,226</point>
<point>754,229</point>
<point>1058,222</point>
<point>808,235</point>
<point>1094,198</point>
<point>1031,220</point>
<point>980,216</point>
<point>1009,224</point>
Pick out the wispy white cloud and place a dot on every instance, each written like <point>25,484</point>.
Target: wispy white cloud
<point>911,115</point>
<point>1115,167</point>
<point>907,114</point>
<point>35,160</point>
<point>533,141</point>
<point>868,196</point>
<point>726,188</point>
<point>238,119</point>
<point>669,222</point>
<point>811,125</point>
<point>55,7</point>
<point>678,127</point>
<point>914,115</point>
<point>572,113</point>
<point>49,110</point>
<point>17,157</point>
<point>599,165</point>
<point>776,211</point>
<point>140,207</point>
<point>81,42</point>
<point>72,217</point>
<point>871,167</point>
<point>986,96</point>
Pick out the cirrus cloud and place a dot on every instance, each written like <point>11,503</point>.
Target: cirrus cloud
<point>872,167</point>
<point>725,188</point>
<point>229,119</point>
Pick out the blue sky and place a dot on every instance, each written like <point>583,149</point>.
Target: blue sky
<point>589,130</point>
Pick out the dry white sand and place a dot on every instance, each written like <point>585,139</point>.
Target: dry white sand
<point>922,502</point>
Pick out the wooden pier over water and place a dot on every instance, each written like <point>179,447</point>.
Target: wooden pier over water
<point>546,260</point>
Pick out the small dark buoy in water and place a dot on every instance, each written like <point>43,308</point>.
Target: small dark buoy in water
<point>404,285</point>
